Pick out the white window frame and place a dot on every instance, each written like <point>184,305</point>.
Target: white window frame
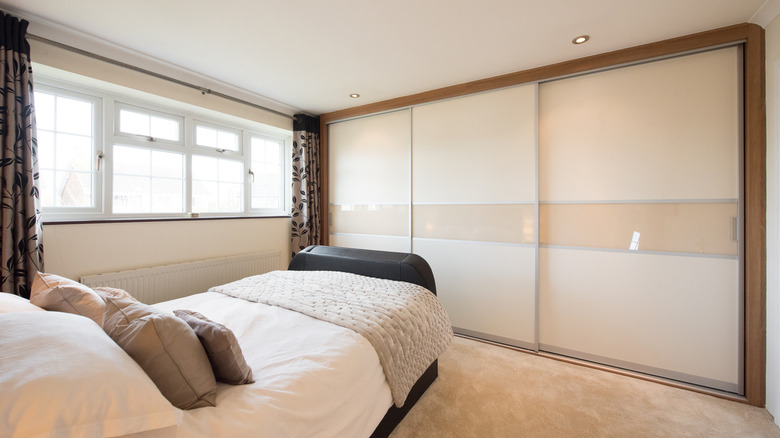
<point>225,152</point>
<point>97,137</point>
<point>120,105</point>
<point>152,149</point>
<point>286,154</point>
<point>107,135</point>
<point>219,156</point>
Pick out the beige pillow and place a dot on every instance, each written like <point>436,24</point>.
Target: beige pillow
<point>166,348</point>
<point>112,292</point>
<point>10,303</point>
<point>53,292</point>
<point>221,345</point>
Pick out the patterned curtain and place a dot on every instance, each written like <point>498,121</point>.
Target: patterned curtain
<point>305,182</point>
<point>20,245</point>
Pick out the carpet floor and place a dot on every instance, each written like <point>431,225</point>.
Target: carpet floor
<point>489,391</point>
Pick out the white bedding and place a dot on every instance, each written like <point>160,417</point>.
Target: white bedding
<point>405,323</point>
<point>312,378</point>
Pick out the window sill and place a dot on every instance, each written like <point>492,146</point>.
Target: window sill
<point>160,219</point>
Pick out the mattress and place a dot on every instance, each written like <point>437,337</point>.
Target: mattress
<point>312,378</point>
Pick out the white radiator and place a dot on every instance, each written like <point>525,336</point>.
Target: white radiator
<point>162,283</point>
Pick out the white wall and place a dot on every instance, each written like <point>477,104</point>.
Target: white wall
<point>82,249</point>
<point>772,218</point>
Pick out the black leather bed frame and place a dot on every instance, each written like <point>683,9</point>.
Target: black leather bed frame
<point>380,264</point>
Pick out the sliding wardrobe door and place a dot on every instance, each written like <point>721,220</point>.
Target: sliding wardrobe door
<point>474,210</point>
<point>370,185</point>
<point>640,188</point>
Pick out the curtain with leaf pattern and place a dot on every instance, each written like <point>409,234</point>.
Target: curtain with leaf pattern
<point>21,252</point>
<point>305,182</point>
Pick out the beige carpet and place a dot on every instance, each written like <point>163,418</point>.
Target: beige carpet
<point>489,391</point>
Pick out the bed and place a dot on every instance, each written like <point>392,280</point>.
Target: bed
<point>310,377</point>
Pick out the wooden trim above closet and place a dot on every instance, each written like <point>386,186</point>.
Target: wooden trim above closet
<point>752,38</point>
<point>740,32</point>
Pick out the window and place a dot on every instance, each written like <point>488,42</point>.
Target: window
<point>217,138</point>
<point>145,123</point>
<point>153,161</point>
<point>217,185</point>
<point>267,180</point>
<point>66,148</point>
<point>147,181</point>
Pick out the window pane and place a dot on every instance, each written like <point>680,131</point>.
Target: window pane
<point>44,110</point>
<point>167,195</point>
<point>46,187</point>
<point>133,123</point>
<point>74,116</point>
<point>132,161</point>
<point>267,190</point>
<point>216,138</point>
<point>167,129</point>
<point>46,149</point>
<point>258,149</point>
<point>265,151</point>
<point>148,124</point>
<point>217,184</point>
<point>272,152</point>
<point>205,168</point>
<point>167,164</point>
<point>74,189</point>
<point>131,194</point>
<point>66,151</point>
<point>74,152</point>
<point>148,181</point>
<point>227,140</point>
<point>231,171</point>
<point>230,197</point>
<point>204,196</point>
<point>206,136</point>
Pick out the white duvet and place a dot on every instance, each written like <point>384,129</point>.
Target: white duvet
<point>312,378</point>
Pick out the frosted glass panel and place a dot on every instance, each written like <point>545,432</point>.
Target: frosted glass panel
<point>487,289</point>
<point>699,228</point>
<point>674,313</point>
<point>379,243</point>
<point>474,174</point>
<point>391,220</point>
<point>370,187</point>
<point>662,130</point>
<point>487,223</point>
<point>479,148</point>
<point>369,160</point>
<point>637,159</point>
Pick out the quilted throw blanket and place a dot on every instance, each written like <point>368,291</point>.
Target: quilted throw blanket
<point>404,322</point>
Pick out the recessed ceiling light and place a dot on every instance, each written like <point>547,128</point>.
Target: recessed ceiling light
<point>581,39</point>
<point>354,95</point>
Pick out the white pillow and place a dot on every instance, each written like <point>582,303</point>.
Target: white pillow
<point>62,376</point>
<point>10,303</point>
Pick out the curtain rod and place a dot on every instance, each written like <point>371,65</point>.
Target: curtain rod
<point>203,90</point>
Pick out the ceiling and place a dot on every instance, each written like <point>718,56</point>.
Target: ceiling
<point>309,55</point>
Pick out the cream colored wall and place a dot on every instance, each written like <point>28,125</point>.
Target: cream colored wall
<point>773,219</point>
<point>81,249</point>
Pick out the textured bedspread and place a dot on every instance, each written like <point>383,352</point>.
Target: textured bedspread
<point>404,322</point>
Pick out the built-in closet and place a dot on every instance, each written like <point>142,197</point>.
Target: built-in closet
<point>597,216</point>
